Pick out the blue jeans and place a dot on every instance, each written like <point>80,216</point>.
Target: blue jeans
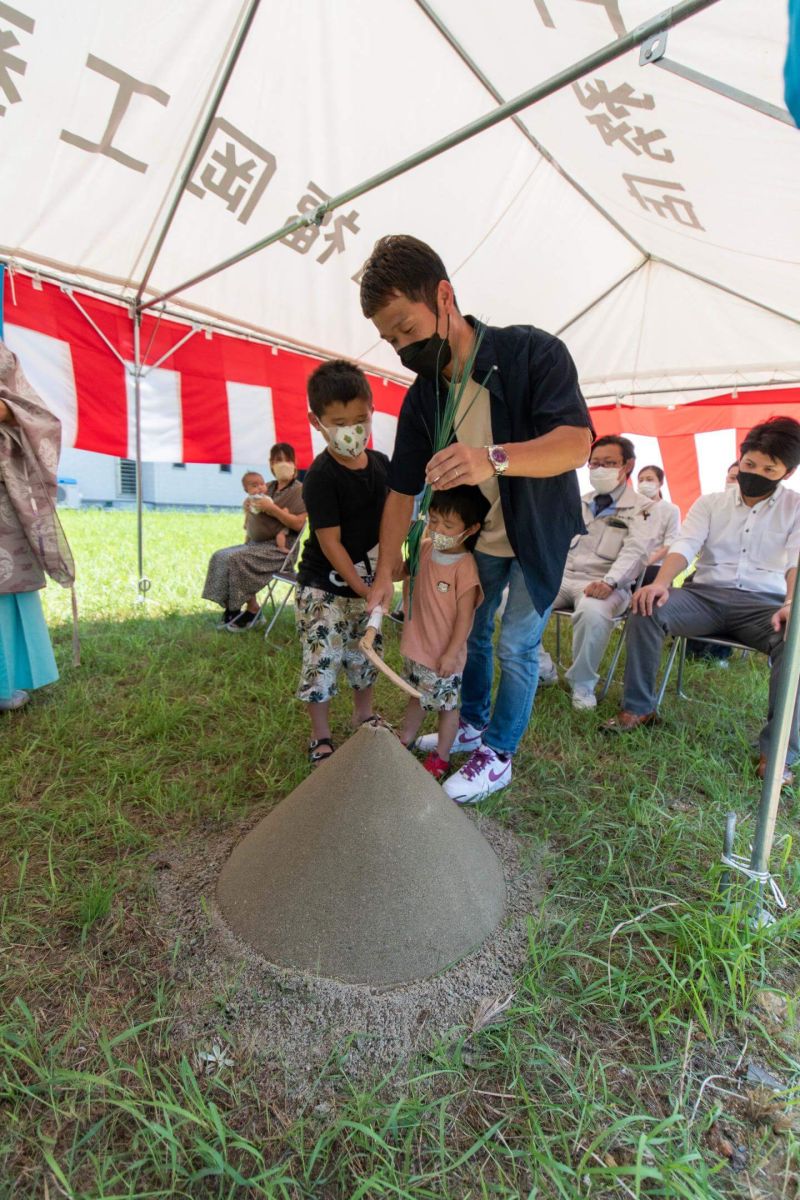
<point>521,631</point>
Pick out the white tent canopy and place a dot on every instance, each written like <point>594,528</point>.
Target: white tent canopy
<point>653,219</point>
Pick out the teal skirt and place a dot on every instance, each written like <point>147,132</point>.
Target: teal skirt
<point>26,655</point>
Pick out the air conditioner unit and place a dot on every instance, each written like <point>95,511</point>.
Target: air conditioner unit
<point>67,494</point>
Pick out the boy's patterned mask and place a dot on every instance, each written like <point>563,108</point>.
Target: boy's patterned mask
<point>348,440</point>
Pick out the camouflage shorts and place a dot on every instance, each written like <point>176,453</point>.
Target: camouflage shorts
<point>330,629</point>
<point>439,693</point>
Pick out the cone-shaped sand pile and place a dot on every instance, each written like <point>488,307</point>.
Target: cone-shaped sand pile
<point>365,873</point>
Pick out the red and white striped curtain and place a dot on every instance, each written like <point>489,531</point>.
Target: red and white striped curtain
<point>217,398</point>
<point>224,399</point>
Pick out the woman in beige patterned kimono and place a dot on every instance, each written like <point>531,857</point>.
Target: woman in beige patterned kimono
<point>31,540</point>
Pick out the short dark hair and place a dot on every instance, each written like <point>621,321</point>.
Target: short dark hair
<point>625,445</point>
<point>657,471</point>
<point>336,382</point>
<point>251,475</point>
<point>404,264</point>
<point>284,448</point>
<point>467,502</point>
<point>779,437</point>
<point>735,463</point>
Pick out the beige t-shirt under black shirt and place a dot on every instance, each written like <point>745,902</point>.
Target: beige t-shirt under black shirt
<point>473,427</point>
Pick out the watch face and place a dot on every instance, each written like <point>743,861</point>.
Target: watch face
<point>498,455</point>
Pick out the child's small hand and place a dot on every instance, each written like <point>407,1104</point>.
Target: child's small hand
<point>448,664</point>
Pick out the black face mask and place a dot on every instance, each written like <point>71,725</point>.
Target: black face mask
<point>754,486</point>
<point>428,357</point>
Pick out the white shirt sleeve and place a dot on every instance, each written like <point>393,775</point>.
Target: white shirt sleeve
<point>673,525</point>
<point>694,530</point>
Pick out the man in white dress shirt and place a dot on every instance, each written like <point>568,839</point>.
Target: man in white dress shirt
<point>746,541</point>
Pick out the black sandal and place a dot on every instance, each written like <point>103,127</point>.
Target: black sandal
<point>314,747</point>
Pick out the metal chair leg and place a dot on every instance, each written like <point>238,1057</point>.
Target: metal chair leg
<point>268,599</point>
<point>681,664</point>
<point>613,665</point>
<point>667,672</point>
<point>278,610</point>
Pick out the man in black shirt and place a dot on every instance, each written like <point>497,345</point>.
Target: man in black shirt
<point>521,431</point>
<point>344,493</point>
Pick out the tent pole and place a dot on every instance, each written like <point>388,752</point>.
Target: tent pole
<point>664,20</point>
<point>603,296</point>
<point>142,584</point>
<point>725,89</point>
<point>172,350</point>
<point>200,141</point>
<point>776,756</point>
<point>721,287</point>
<point>68,292</point>
<point>470,62</point>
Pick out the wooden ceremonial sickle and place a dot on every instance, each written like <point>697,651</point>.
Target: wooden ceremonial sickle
<point>367,646</point>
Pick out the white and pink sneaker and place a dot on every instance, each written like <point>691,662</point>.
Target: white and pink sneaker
<point>484,772</point>
<point>468,739</point>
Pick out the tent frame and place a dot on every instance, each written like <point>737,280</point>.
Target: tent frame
<point>663,21</point>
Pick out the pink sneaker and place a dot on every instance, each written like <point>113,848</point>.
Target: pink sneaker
<point>435,766</point>
<point>484,772</point>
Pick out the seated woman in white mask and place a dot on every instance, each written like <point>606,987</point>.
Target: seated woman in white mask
<point>665,517</point>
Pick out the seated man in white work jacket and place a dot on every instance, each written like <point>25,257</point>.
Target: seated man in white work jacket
<point>602,565</point>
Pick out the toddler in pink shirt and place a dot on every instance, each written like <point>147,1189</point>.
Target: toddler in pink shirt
<point>438,621</point>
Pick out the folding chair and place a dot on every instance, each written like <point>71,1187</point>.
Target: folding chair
<point>619,630</point>
<point>677,648</point>
<point>287,575</point>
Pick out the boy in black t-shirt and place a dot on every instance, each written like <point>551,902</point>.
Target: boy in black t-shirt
<point>344,493</point>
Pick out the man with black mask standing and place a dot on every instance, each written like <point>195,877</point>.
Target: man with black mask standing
<point>746,541</point>
<point>521,430</point>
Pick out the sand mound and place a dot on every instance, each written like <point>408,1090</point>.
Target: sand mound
<point>366,873</point>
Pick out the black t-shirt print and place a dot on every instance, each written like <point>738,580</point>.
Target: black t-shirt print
<point>353,500</point>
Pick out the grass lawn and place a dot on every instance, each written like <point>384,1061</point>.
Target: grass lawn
<point>621,1070</point>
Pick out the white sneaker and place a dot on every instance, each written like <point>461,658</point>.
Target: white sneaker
<point>583,697</point>
<point>15,700</point>
<point>485,772</point>
<point>468,739</point>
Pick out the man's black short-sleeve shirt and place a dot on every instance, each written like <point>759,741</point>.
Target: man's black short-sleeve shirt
<point>533,389</point>
<point>353,500</point>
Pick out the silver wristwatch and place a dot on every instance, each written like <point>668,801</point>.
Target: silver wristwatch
<point>498,458</point>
